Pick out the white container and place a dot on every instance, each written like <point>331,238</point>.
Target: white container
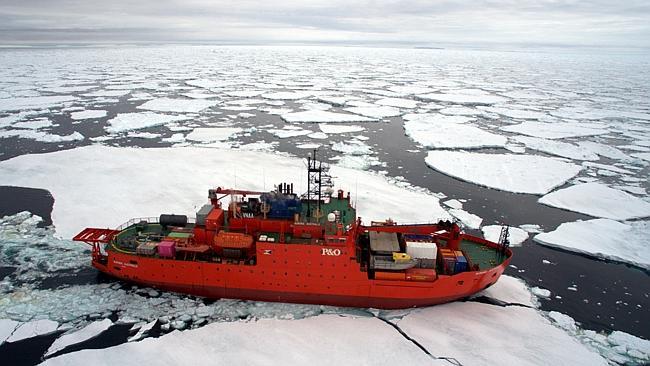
<point>421,250</point>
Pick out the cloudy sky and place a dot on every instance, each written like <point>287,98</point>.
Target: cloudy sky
<point>621,23</point>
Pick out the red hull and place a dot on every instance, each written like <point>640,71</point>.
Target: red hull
<point>298,274</point>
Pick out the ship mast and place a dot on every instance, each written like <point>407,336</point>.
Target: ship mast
<point>317,178</point>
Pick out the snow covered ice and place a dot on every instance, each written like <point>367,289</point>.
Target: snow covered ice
<point>604,238</point>
<point>508,172</point>
<point>598,200</point>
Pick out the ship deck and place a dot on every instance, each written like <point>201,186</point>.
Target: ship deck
<point>486,257</point>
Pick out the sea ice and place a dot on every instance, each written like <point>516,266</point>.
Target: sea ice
<point>397,102</point>
<point>212,134</point>
<point>28,103</point>
<point>603,238</point>
<point>366,340</point>
<point>493,232</point>
<point>451,135</point>
<point>352,147</point>
<point>558,148</point>
<point>377,112</point>
<point>507,172</point>
<point>643,155</point>
<point>295,95</point>
<point>541,292</point>
<point>33,124</point>
<point>604,150</point>
<point>134,121</point>
<point>32,329</point>
<point>464,98</point>
<point>598,200</point>
<point>90,331</point>
<point>283,133</point>
<point>557,130</point>
<point>107,93</point>
<point>7,326</point>
<point>467,219</point>
<point>316,116</point>
<point>143,331</point>
<point>453,203</point>
<point>515,113</point>
<point>88,114</point>
<point>331,129</point>
<point>440,327</point>
<point>41,136</point>
<point>178,105</point>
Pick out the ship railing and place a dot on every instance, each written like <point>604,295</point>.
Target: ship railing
<point>148,220</point>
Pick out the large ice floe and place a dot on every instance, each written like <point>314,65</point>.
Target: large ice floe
<point>516,235</point>
<point>134,121</point>
<point>441,131</point>
<point>557,130</point>
<point>603,238</point>
<point>317,116</point>
<point>507,172</point>
<point>599,200</point>
<point>38,102</point>
<point>178,105</point>
<point>439,335</point>
<point>464,96</point>
<point>212,134</point>
<point>189,173</point>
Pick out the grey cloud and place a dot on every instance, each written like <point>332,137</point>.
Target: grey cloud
<point>594,22</point>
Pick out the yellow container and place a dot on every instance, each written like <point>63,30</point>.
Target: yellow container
<point>401,257</point>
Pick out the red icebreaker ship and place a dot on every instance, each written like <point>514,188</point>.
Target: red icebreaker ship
<point>278,246</point>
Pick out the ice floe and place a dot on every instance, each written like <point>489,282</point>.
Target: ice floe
<point>178,105</point>
<point>472,98</point>
<point>467,219</point>
<point>41,136</point>
<point>284,133</point>
<point>398,102</point>
<point>88,114</point>
<point>557,130</point>
<point>39,102</point>
<point>34,124</point>
<point>366,340</point>
<point>598,200</point>
<point>90,331</point>
<point>558,148</point>
<point>316,116</point>
<point>212,134</point>
<point>516,237</point>
<point>33,328</point>
<point>507,172</point>
<point>603,238</point>
<point>457,136</point>
<point>331,129</point>
<point>352,147</point>
<point>375,111</point>
<point>515,113</point>
<point>134,121</point>
<point>295,95</point>
<point>7,327</point>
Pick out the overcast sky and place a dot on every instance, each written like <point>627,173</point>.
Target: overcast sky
<point>425,23</point>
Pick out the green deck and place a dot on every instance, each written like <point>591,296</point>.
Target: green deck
<point>348,214</point>
<point>482,255</point>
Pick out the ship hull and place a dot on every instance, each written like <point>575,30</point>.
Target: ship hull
<point>322,280</point>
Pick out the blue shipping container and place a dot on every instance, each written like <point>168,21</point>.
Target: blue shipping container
<point>461,264</point>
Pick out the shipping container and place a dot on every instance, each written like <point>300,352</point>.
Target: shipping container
<point>148,248</point>
<point>167,249</point>
<point>391,276</point>
<point>420,274</point>
<point>426,250</point>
